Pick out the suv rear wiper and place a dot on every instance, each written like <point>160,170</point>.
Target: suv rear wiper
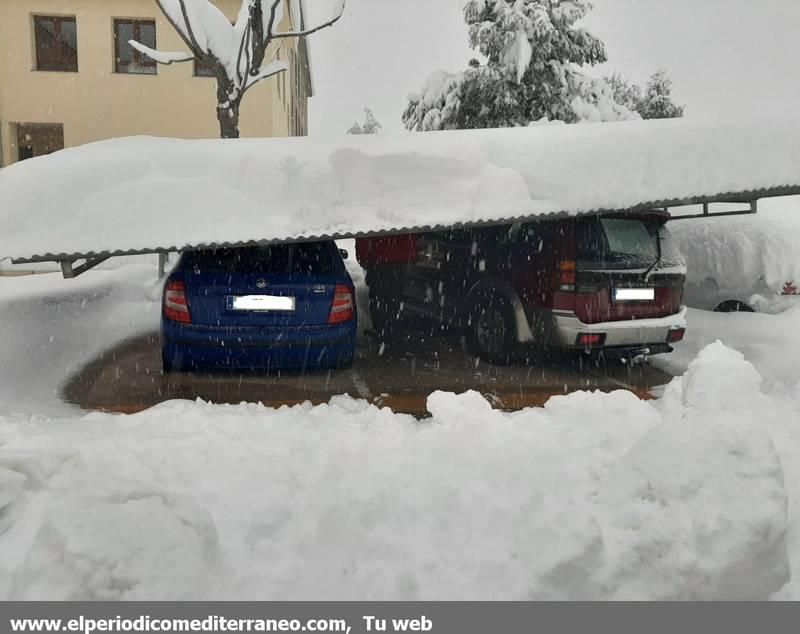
<point>658,256</point>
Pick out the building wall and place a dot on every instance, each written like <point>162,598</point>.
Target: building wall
<point>97,103</point>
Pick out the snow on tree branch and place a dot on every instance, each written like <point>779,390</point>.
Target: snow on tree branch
<point>162,57</point>
<point>654,102</point>
<point>337,14</point>
<point>235,53</point>
<point>268,70</point>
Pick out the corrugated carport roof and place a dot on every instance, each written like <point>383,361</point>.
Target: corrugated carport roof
<point>140,195</point>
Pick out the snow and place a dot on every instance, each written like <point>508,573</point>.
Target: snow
<point>747,258</point>
<point>768,341</point>
<point>210,28</point>
<point>266,71</point>
<point>597,496</point>
<point>594,496</point>
<point>53,326</point>
<point>109,195</point>
<point>205,25</point>
<point>594,99</point>
<point>517,55</point>
<point>162,57</point>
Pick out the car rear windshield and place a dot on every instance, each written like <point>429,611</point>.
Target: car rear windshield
<point>309,258</point>
<point>622,242</point>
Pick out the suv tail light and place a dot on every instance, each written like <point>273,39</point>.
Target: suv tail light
<point>675,334</point>
<point>591,339</point>
<point>342,307</point>
<point>176,307</point>
<point>566,276</point>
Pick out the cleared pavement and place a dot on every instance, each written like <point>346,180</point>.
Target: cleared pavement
<point>128,378</point>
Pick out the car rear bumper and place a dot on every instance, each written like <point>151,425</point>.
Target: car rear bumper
<point>625,334</point>
<point>203,347</point>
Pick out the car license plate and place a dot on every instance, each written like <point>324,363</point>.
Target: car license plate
<point>633,294</point>
<point>262,303</point>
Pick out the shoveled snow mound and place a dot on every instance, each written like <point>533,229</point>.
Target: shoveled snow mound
<point>109,196</point>
<point>594,496</point>
<point>769,342</point>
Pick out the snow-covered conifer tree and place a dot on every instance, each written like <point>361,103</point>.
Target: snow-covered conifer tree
<point>626,93</point>
<point>657,98</point>
<point>240,55</point>
<point>370,126</point>
<point>654,102</point>
<point>535,57</point>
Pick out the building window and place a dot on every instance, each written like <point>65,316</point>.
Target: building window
<point>56,43</point>
<point>38,139</point>
<point>126,58</point>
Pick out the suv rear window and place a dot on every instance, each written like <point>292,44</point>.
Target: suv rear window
<point>308,258</point>
<point>621,243</point>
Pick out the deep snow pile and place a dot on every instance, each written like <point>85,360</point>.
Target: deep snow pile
<point>594,496</point>
<point>769,342</point>
<point>741,255</point>
<point>111,195</point>
<point>696,495</point>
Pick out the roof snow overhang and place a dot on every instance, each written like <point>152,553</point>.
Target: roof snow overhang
<point>146,195</point>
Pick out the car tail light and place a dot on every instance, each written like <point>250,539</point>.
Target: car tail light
<point>566,276</point>
<point>591,339</point>
<point>342,307</point>
<point>675,334</point>
<point>176,307</point>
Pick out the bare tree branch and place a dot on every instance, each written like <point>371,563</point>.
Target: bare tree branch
<point>319,27</point>
<point>242,41</point>
<point>248,61</point>
<point>175,26</point>
<point>272,14</point>
<point>252,36</point>
<point>195,46</point>
<point>257,40</point>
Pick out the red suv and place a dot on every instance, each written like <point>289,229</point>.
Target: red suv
<point>611,283</point>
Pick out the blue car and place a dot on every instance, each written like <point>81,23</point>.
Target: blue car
<point>263,307</point>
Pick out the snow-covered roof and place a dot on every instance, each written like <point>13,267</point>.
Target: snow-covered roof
<point>142,194</point>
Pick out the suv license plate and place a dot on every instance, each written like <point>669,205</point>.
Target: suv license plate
<point>262,302</point>
<point>633,294</point>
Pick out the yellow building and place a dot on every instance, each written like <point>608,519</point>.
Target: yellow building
<point>68,76</point>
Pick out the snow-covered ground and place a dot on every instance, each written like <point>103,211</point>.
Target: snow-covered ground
<point>52,326</point>
<point>695,495</point>
<point>769,342</point>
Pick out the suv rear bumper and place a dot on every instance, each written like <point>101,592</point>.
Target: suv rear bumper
<point>628,333</point>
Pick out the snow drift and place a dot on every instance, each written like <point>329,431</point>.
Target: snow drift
<point>595,496</point>
<point>740,256</point>
<point>142,194</point>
